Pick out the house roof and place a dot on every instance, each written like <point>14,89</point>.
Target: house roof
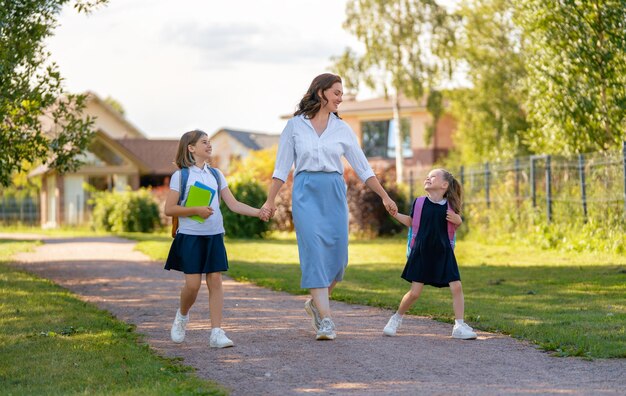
<point>152,156</point>
<point>252,140</point>
<point>155,155</point>
<point>375,105</point>
<point>378,104</point>
<point>91,96</point>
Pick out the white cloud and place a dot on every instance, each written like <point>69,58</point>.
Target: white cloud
<point>201,64</point>
<point>226,44</point>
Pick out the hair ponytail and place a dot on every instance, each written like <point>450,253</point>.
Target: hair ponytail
<point>454,193</point>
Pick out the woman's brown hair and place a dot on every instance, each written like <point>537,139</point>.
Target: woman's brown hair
<point>184,159</point>
<point>454,193</point>
<point>311,102</point>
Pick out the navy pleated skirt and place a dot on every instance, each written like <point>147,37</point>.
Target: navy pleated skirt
<point>197,254</point>
<point>320,216</point>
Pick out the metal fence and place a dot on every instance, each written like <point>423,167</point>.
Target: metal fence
<point>557,188</point>
<point>19,210</point>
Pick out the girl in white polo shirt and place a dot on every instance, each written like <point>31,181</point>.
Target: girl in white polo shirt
<point>198,248</point>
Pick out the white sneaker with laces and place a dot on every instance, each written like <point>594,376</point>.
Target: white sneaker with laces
<point>392,326</point>
<point>326,330</point>
<point>218,339</point>
<point>311,309</point>
<point>178,327</point>
<point>463,332</point>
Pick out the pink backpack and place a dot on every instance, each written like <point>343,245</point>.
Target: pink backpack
<point>417,214</point>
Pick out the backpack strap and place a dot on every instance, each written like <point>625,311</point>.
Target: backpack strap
<point>451,230</point>
<point>417,214</point>
<point>184,177</point>
<point>217,177</point>
<point>182,186</point>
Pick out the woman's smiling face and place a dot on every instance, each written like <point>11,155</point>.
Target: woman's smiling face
<point>334,95</point>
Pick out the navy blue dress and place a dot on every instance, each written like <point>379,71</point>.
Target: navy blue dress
<point>432,261</point>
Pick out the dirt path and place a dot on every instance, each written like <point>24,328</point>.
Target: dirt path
<point>275,352</point>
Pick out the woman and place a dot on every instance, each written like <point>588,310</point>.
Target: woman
<point>315,139</point>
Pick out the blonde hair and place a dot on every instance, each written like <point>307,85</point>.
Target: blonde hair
<point>454,193</point>
<point>184,158</point>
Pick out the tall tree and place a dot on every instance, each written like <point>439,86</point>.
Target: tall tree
<point>38,120</point>
<point>402,39</point>
<point>576,74</point>
<point>490,119</point>
<point>115,104</point>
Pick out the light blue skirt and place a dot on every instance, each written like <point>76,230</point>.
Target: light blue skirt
<point>320,216</point>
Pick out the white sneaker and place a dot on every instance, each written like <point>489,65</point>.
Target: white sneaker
<point>178,327</point>
<point>392,326</point>
<point>218,339</point>
<point>314,313</point>
<point>326,330</point>
<point>463,332</point>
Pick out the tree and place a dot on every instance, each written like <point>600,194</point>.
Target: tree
<point>576,80</point>
<point>38,120</point>
<point>115,105</point>
<point>490,119</point>
<point>258,165</point>
<point>402,39</point>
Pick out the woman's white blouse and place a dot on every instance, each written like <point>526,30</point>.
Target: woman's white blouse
<point>300,144</point>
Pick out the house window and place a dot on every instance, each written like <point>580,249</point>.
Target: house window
<point>101,183</point>
<point>379,139</point>
<point>102,155</point>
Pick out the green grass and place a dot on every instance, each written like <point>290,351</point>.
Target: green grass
<point>52,343</point>
<point>571,304</point>
<point>66,231</point>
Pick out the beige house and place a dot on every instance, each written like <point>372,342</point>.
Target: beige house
<point>230,144</point>
<point>119,157</point>
<point>372,121</point>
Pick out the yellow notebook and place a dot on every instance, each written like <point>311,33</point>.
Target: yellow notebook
<point>198,197</point>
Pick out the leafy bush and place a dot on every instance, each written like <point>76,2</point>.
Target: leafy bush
<point>252,193</point>
<point>258,165</point>
<point>283,218</point>
<point>128,211</point>
<point>368,216</point>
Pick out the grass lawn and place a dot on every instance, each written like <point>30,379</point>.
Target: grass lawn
<point>62,232</point>
<point>572,304</point>
<point>52,343</point>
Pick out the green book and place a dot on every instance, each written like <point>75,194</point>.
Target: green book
<point>198,197</point>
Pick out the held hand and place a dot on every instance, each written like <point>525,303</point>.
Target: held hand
<point>268,210</point>
<point>264,214</point>
<point>391,206</point>
<point>204,211</point>
<point>453,217</point>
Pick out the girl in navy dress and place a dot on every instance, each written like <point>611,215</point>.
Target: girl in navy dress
<point>198,248</point>
<point>431,261</point>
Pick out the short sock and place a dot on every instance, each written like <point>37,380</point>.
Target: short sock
<point>180,315</point>
<point>458,322</point>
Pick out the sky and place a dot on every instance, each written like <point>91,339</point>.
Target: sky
<point>207,64</point>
